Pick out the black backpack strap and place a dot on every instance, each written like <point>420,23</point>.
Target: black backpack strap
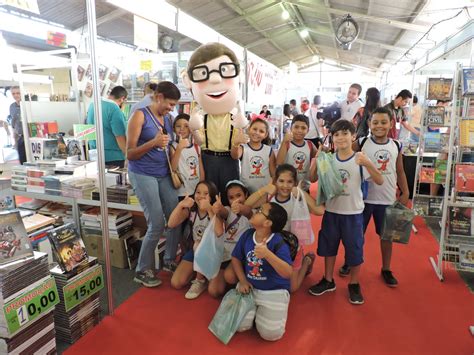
<point>398,144</point>
<point>362,142</point>
<point>205,130</point>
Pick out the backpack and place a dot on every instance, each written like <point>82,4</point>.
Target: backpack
<point>362,129</point>
<point>331,114</point>
<point>291,240</point>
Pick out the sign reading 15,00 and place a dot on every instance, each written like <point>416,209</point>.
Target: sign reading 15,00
<point>82,287</point>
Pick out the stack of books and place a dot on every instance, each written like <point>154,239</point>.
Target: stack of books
<point>19,177</point>
<point>35,181</point>
<point>78,187</point>
<point>38,226</point>
<point>120,222</point>
<point>79,307</point>
<point>77,168</point>
<point>117,194</point>
<point>52,184</point>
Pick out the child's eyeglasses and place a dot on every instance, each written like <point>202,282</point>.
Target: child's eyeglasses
<point>260,210</point>
<point>201,72</point>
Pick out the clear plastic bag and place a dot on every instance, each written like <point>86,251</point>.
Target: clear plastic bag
<point>397,223</point>
<point>229,315</point>
<point>209,253</point>
<point>329,180</point>
<point>301,220</point>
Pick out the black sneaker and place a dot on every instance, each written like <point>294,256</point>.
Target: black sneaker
<point>344,270</point>
<point>355,295</point>
<point>147,278</point>
<point>322,286</point>
<point>389,279</point>
<point>170,266</point>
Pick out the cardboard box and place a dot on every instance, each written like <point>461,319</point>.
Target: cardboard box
<point>118,254</point>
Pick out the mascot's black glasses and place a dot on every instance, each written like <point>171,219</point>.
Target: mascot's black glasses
<point>201,72</point>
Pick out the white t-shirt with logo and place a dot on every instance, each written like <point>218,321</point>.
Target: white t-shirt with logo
<point>384,156</point>
<point>188,167</point>
<point>288,206</point>
<point>351,200</point>
<point>348,110</point>
<point>255,167</point>
<point>235,225</point>
<point>300,158</point>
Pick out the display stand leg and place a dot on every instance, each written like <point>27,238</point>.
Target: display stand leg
<point>436,269</point>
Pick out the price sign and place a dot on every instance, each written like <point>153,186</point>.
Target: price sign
<point>82,287</point>
<point>30,305</point>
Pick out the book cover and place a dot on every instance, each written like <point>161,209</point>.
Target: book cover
<point>468,81</point>
<point>466,255</point>
<point>440,171</point>
<point>464,178</point>
<point>434,116</point>
<point>114,74</point>
<point>132,248</point>
<point>435,207</point>
<point>466,135</point>
<point>421,205</point>
<point>37,221</point>
<point>439,89</point>
<point>427,175</point>
<point>14,241</point>
<point>68,246</point>
<point>460,221</point>
<point>432,141</point>
<point>102,71</point>
<point>410,148</point>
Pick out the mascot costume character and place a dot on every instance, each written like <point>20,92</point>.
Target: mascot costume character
<point>217,121</point>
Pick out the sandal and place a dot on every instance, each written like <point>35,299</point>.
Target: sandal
<point>311,256</point>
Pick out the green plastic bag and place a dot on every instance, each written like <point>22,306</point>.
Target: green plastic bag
<point>229,315</point>
<point>329,180</point>
<point>397,223</point>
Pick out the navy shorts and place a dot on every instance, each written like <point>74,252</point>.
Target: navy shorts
<point>348,228</point>
<point>378,211</point>
<point>189,256</point>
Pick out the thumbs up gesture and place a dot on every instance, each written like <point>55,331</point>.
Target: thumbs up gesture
<point>217,206</point>
<point>241,137</point>
<point>261,251</point>
<point>362,159</point>
<point>161,139</point>
<point>238,119</point>
<point>183,142</point>
<point>196,120</point>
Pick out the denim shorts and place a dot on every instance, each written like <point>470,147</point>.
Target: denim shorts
<point>378,211</point>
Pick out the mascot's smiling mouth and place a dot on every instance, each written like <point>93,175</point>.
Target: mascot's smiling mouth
<point>216,95</point>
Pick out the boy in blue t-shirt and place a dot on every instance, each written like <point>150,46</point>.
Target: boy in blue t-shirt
<point>262,263</point>
<point>343,219</point>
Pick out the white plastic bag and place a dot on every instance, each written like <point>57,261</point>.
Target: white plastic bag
<point>209,252</point>
<point>301,220</point>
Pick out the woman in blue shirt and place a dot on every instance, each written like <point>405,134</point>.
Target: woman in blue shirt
<point>148,140</point>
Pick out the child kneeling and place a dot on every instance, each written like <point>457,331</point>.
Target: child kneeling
<point>261,260</point>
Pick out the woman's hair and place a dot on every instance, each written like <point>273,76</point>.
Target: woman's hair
<point>267,139</point>
<point>168,90</point>
<point>284,168</point>
<point>212,191</point>
<point>372,99</point>
<point>181,116</point>
<point>286,110</point>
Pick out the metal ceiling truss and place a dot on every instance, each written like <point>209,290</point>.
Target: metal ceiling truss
<point>251,11</point>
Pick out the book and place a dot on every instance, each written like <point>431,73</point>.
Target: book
<point>114,74</point>
<point>464,178</point>
<point>466,255</point>
<point>435,207</point>
<point>439,89</point>
<point>421,205</point>
<point>466,135</point>
<point>434,116</point>
<point>102,71</point>
<point>468,81</point>
<point>460,219</point>
<point>427,175</point>
<point>440,171</point>
<point>68,246</point>
<point>132,248</point>
<point>36,222</point>
<point>14,241</point>
<point>432,141</point>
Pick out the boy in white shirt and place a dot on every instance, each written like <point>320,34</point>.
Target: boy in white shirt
<point>351,104</point>
<point>386,154</point>
<point>343,219</point>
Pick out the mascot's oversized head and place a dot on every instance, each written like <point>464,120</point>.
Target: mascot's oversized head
<point>213,78</point>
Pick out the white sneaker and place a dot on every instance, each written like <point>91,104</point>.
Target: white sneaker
<point>197,287</point>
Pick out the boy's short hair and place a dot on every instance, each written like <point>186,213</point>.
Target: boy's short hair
<point>293,102</point>
<point>168,90</point>
<point>404,94</point>
<point>300,118</point>
<point>181,116</point>
<point>357,87</point>
<point>118,92</point>
<point>278,216</point>
<point>342,125</point>
<point>382,111</point>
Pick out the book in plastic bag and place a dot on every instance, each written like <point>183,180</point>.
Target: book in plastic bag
<point>209,253</point>
<point>397,223</point>
<point>229,315</point>
<point>329,179</point>
<point>301,220</point>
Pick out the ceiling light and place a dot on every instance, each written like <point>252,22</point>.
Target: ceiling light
<point>304,33</point>
<point>285,15</point>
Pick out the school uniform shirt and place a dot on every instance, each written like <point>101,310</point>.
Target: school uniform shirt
<point>288,206</point>
<point>351,200</point>
<point>300,158</point>
<point>255,167</point>
<point>384,156</point>
<point>199,225</point>
<point>349,109</point>
<point>259,273</point>
<point>235,226</point>
<point>188,167</point>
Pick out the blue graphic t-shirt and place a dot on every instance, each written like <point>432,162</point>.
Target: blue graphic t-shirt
<point>260,274</point>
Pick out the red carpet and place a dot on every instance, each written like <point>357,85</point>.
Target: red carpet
<point>421,316</point>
